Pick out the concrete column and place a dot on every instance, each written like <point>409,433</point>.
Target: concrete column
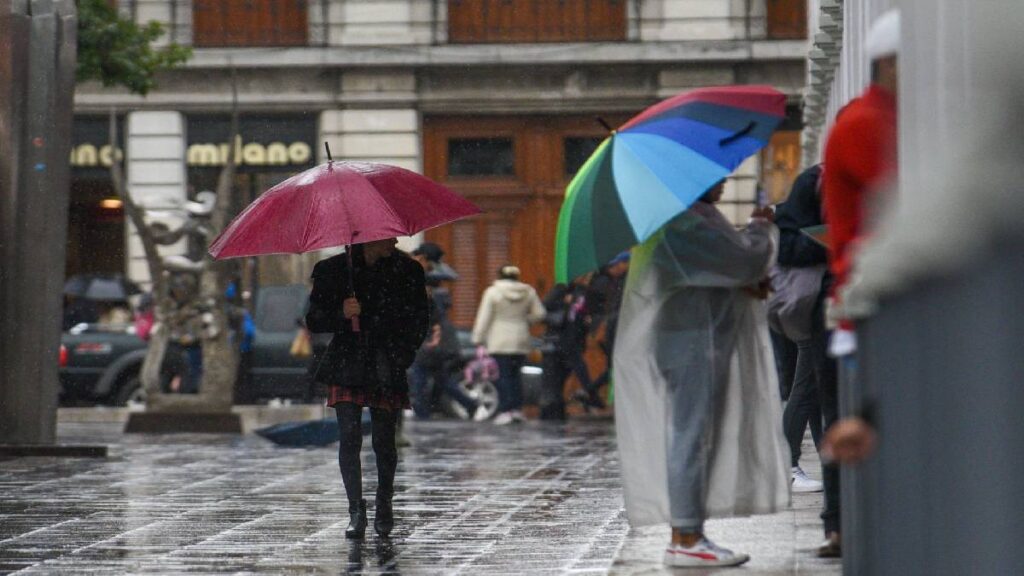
<point>37,66</point>
<point>157,11</point>
<point>155,176</point>
<point>680,20</point>
<point>381,22</point>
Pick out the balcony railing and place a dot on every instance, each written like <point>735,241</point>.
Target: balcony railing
<point>492,21</point>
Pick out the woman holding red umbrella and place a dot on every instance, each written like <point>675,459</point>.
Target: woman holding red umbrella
<point>374,301</point>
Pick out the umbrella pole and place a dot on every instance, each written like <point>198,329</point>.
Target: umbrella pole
<point>352,284</point>
<point>348,253</point>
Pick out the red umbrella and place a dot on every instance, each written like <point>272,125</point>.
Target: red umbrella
<point>337,204</point>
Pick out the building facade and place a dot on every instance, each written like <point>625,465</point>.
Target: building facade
<point>837,68</point>
<point>496,98</point>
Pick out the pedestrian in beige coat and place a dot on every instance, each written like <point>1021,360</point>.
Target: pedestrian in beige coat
<point>502,325</point>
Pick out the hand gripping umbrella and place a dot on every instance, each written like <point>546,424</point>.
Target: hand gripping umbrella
<point>657,165</point>
<point>339,204</point>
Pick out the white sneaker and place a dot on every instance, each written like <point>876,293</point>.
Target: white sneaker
<point>517,416</point>
<point>802,484</point>
<point>703,553</point>
<point>503,419</point>
<point>481,414</point>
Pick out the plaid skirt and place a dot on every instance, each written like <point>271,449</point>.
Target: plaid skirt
<point>380,398</point>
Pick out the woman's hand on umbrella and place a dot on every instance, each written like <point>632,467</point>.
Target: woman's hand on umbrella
<point>350,307</point>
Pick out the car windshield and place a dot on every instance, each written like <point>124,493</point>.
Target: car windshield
<point>279,308</point>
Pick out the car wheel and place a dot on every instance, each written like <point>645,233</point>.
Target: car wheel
<point>131,394</point>
<point>485,393</point>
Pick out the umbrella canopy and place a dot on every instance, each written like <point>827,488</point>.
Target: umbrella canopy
<point>113,288</point>
<point>657,165</point>
<point>308,432</point>
<point>337,204</point>
<point>305,433</point>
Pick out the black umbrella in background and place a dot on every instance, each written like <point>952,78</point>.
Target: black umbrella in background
<point>112,288</point>
<point>309,432</point>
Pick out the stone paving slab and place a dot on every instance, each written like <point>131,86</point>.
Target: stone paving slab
<point>471,499</point>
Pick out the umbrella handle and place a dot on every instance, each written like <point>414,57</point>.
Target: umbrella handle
<point>351,275</point>
<point>730,139</point>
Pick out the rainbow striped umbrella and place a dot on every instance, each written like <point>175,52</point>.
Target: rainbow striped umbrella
<point>657,165</point>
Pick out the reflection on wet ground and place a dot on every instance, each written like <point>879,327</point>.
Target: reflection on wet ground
<point>470,499</point>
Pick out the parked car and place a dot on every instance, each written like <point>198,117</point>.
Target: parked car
<point>101,363</point>
<point>273,372</point>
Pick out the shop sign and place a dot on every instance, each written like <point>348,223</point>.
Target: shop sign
<point>250,154</point>
<point>263,142</point>
<point>90,144</point>
<point>89,156</point>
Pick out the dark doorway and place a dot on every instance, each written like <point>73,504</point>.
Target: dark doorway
<point>96,233</point>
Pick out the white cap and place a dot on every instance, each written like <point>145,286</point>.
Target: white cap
<point>883,39</point>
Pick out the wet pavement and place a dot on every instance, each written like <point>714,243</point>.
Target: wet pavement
<point>470,499</point>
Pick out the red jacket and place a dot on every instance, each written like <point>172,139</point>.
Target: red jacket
<point>860,156</point>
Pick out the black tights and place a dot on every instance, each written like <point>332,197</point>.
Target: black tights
<point>385,424</point>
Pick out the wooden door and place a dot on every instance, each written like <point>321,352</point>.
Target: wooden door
<point>787,19</point>
<point>536,20</point>
<point>780,164</point>
<point>519,180</point>
<point>221,23</point>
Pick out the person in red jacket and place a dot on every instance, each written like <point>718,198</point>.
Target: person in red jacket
<point>860,159</point>
<point>860,155</point>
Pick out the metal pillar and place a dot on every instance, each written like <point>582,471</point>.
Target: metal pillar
<point>37,71</point>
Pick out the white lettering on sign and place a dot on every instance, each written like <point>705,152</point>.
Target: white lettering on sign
<point>251,154</point>
<point>88,155</point>
<point>299,152</point>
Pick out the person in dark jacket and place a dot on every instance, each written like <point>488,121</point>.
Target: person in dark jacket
<point>604,298</point>
<point>793,347</point>
<point>814,392</point>
<point>377,310</point>
<point>436,361</point>
<point>565,339</point>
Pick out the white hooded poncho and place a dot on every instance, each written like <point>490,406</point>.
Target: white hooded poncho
<point>667,287</point>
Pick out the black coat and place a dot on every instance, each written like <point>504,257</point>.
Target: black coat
<point>564,333</point>
<point>801,209</point>
<point>393,323</point>
<point>604,298</point>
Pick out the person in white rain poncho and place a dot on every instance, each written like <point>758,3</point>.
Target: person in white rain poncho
<point>697,407</point>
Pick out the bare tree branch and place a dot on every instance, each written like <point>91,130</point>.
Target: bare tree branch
<point>135,214</point>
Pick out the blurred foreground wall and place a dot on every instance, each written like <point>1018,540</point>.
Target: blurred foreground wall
<point>940,317</point>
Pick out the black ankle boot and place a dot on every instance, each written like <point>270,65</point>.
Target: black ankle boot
<point>383,517</point>
<point>356,520</point>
